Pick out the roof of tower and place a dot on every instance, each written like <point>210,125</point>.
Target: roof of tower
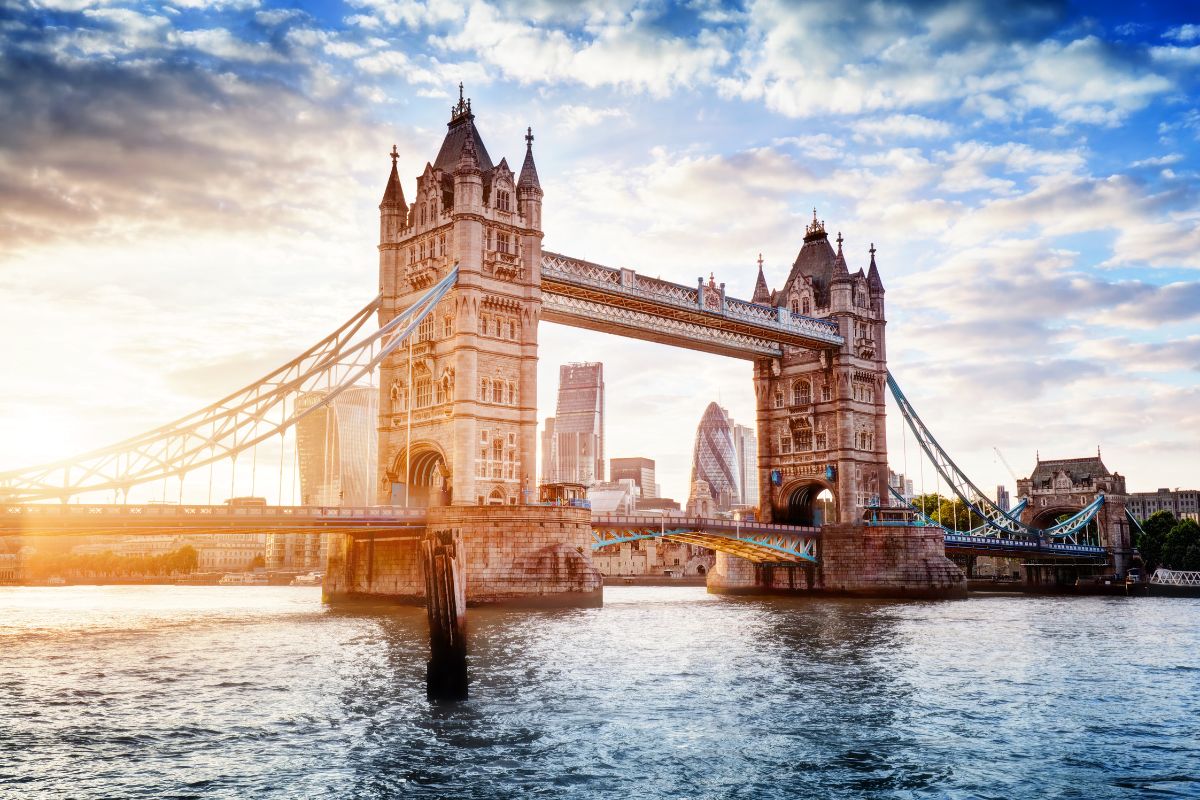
<point>815,261</point>
<point>461,127</point>
<point>1076,468</point>
<point>840,271</point>
<point>529,176</point>
<point>762,294</point>
<point>394,193</point>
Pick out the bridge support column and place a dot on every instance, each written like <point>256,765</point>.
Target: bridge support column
<point>858,560</point>
<point>515,555</point>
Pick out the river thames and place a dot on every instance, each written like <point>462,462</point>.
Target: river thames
<point>664,692</point>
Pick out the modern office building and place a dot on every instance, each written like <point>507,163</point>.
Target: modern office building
<point>549,453</point>
<point>1183,503</point>
<point>745,444</point>
<point>576,451</point>
<point>639,470</point>
<point>715,459</point>
<point>337,445</point>
<point>1003,498</point>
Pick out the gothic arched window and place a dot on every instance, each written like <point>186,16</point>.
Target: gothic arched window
<point>485,390</point>
<point>801,393</point>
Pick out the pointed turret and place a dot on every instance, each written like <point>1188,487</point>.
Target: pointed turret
<point>393,195</point>
<point>529,176</point>
<point>762,294</point>
<point>529,188</point>
<point>874,283</point>
<point>840,271</point>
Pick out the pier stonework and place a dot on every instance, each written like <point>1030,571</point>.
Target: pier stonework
<point>855,560</point>
<point>514,555</point>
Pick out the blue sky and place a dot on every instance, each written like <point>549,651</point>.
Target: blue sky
<point>188,192</point>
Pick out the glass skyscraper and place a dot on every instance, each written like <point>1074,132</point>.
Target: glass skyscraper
<point>337,446</point>
<point>576,450</point>
<point>715,458</point>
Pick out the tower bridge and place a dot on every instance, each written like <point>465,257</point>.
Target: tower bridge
<point>463,284</point>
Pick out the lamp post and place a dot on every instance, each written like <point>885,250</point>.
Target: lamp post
<point>737,524</point>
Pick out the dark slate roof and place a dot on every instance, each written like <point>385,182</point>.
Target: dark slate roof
<point>761,293</point>
<point>815,260</point>
<point>529,176</point>
<point>1078,468</point>
<point>394,193</point>
<point>460,128</point>
<point>873,280</point>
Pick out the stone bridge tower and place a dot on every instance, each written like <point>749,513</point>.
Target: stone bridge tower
<point>1062,487</point>
<point>458,412</point>
<point>821,412</point>
<point>458,405</point>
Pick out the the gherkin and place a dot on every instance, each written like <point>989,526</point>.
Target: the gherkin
<point>714,459</point>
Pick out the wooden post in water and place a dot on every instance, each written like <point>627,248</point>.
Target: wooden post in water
<point>446,606</point>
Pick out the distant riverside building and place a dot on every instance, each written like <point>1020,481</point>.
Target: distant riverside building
<point>902,484</point>
<point>715,465</point>
<point>614,497</point>
<point>638,470</point>
<point>745,443</point>
<point>1183,503</point>
<point>10,568</point>
<point>226,552</point>
<point>575,453</point>
<point>337,454</point>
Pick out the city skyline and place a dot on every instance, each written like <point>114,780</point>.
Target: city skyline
<point>164,273</point>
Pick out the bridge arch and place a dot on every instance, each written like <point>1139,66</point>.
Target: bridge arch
<point>808,502</point>
<point>430,478</point>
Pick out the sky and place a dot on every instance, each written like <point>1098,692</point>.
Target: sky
<point>189,191</point>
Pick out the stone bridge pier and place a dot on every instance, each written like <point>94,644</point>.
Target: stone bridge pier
<point>854,560</point>
<point>534,556</point>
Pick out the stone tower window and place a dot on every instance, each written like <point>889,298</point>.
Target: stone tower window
<point>779,399</point>
<point>801,393</point>
<point>806,307</point>
<point>785,444</point>
<point>826,393</point>
<point>423,391</point>
<point>804,438</point>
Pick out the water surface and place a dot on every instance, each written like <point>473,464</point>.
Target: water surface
<point>664,692</point>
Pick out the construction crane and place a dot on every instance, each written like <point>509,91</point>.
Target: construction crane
<point>1007,466</point>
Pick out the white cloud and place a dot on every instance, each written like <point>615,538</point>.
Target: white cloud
<point>608,55</point>
<point>1184,33</point>
<point>221,43</point>
<point>578,116</point>
<point>900,126</point>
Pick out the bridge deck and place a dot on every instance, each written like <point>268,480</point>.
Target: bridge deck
<point>754,541</point>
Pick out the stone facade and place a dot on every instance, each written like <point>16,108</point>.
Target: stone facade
<point>1059,487</point>
<point>853,560</point>
<point>653,557</point>
<point>821,413</point>
<point>516,555</point>
<point>470,378</point>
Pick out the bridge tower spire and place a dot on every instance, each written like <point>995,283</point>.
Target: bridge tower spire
<point>464,431</point>
<point>821,413</point>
